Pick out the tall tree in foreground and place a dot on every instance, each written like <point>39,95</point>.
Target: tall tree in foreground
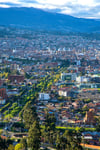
<point>98,125</point>
<point>50,128</point>
<point>60,142</point>
<point>73,140</point>
<point>24,143</point>
<point>29,115</point>
<point>50,122</point>
<point>3,144</point>
<point>34,136</point>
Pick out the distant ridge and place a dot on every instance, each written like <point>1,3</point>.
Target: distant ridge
<point>43,20</point>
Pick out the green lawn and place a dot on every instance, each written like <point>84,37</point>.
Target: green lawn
<point>71,128</point>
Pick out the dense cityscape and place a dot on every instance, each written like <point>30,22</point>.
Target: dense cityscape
<point>49,87</point>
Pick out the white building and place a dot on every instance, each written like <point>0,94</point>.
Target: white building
<point>62,93</point>
<point>82,79</point>
<point>44,96</point>
<point>65,91</point>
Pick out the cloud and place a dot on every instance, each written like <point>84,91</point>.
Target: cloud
<point>10,1</point>
<point>77,8</point>
<point>4,6</point>
<point>82,12</point>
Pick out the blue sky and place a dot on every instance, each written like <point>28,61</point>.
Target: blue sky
<point>77,8</point>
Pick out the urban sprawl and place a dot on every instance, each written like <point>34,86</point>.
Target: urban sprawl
<point>58,73</point>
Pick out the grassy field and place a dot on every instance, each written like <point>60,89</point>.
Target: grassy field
<point>72,128</point>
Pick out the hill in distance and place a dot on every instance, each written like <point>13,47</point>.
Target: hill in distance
<point>42,20</point>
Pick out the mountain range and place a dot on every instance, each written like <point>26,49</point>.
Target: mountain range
<point>43,20</point>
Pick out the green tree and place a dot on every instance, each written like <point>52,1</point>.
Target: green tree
<point>50,128</point>
<point>60,142</point>
<point>19,146</point>
<point>27,75</point>
<point>98,124</point>
<point>3,144</point>
<point>29,114</point>
<point>24,142</point>
<point>50,122</point>
<point>73,140</point>
<point>34,137</point>
<point>11,147</point>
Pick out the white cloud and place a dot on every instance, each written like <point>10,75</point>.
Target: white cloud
<point>77,8</point>
<point>65,2</point>
<point>10,1</point>
<point>4,6</point>
<point>67,10</point>
<point>53,2</point>
<point>41,6</point>
<point>86,2</point>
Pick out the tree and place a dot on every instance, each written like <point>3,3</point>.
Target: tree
<point>11,147</point>
<point>24,142</point>
<point>60,142</point>
<point>3,144</point>
<point>34,137</point>
<point>98,125</point>
<point>27,75</point>
<point>50,122</point>
<point>29,115</point>
<point>25,107</point>
<point>73,140</point>
<point>19,146</point>
<point>50,128</point>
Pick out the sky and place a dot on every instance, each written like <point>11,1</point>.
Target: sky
<point>76,8</point>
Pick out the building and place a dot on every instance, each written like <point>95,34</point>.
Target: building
<point>12,92</point>
<point>3,93</point>
<point>2,101</point>
<point>65,91</point>
<point>68,76</point>
<point>1,82</point>
<point>72,69</point>
<point>14,66</point>
<point>90,117</point>
<point>3,96</point>
<point>16,78</point>
<point>82,79</point>
<point>44,96</point>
